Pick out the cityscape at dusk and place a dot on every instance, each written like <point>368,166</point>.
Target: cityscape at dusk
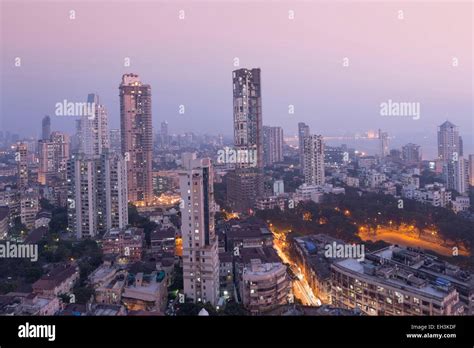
<point>237,159</point>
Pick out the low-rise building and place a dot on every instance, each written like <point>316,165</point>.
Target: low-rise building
<point>146,292</point>
<point>29,207</point>
<point>108,282</point>
<point>315,193</point>
<point>41,305</point>
<point>264,286</point>
<point>461,203</point>
<point>351,181</point>
<point>60,280</point>
<point>248,235</point>
<point>42,219</point>
<point>434,194</point>
<point>378,286</point>
<point>271,202</point>
<point>126,243</point>
<point>163,241</point>
<point>108,310</point>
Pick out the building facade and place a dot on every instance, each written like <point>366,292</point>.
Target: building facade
<point>200,247</point>
<point>313,156</point>
<point>137,136</point>
<point>245,183</point>
<point>272,145</point>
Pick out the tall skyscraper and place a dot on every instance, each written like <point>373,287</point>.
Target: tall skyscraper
<point>46,128</point>
<point>272,145</point>
<point>471,170</point>
<point>115,141</point>
<point>112,200</point>
<point>21,158</point>
<point>383,139</point>
<point>62,145</point>
<point>137,136</point>
<point>450,155</point>
<point>164,134</point>
<point>303,131</point>
<point>200,250</point>
<point>248,132</point>
<point>45,160</point>
<point>313,156</point>
<point>449,143</point>
<point>97,194</point>
<point>461,175</point>
<point>411,153</point>
<point>82,196</point>
<point>53,154</point>
<point>245,184</point>
<point>93,130</point>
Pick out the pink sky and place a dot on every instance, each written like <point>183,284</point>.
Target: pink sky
<point>190,61</point>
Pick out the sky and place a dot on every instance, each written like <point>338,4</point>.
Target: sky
<point>190,62</point>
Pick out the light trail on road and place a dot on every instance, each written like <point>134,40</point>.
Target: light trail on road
<point>303,290</point>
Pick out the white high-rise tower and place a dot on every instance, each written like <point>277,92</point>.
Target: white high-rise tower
<point>200,252</point>
<point>313,160</point>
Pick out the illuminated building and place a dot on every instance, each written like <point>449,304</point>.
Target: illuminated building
<point>393,286</point>
<point>313,157</point>
<point>200,249</point>
<point>245,183</point>
<point>137,136</point>
<point>272,145</point>
<point>97,194</point>
<point>22,165</point>
<point>303,132</point>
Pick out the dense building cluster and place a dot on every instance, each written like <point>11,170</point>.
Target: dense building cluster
<point>128,222</point>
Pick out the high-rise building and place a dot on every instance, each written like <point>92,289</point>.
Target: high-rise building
<point>21,158</point>
<point>471,170</point>
<point>272,145</point>
<point>411,153</point>
<point>449,143</point>
<point>164,134</point>
<point>456,174</point>
<point>137,136</point>
<point>97,194</point>
<point>303,131</point>
<point>248,132</point>
<point>93,131</point>
<point>245,184</point>
<point>46,161</point>
<point>62,146</point>
<point>383,139</point>
<point>313,156</point>
<point>115,141</point>
<point>112,200</point>
<point>53,154</point>
<point>46,128</point>
<point>334,155</point>
<point>187,158</point>
<point>200,247</point>
<point>450,156</point>
<point>82,196</point>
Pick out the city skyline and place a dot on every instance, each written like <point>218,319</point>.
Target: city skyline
<point>322,91</point>
<point>309,158</point>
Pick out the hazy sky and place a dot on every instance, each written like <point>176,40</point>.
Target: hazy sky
<point>190,61</point>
